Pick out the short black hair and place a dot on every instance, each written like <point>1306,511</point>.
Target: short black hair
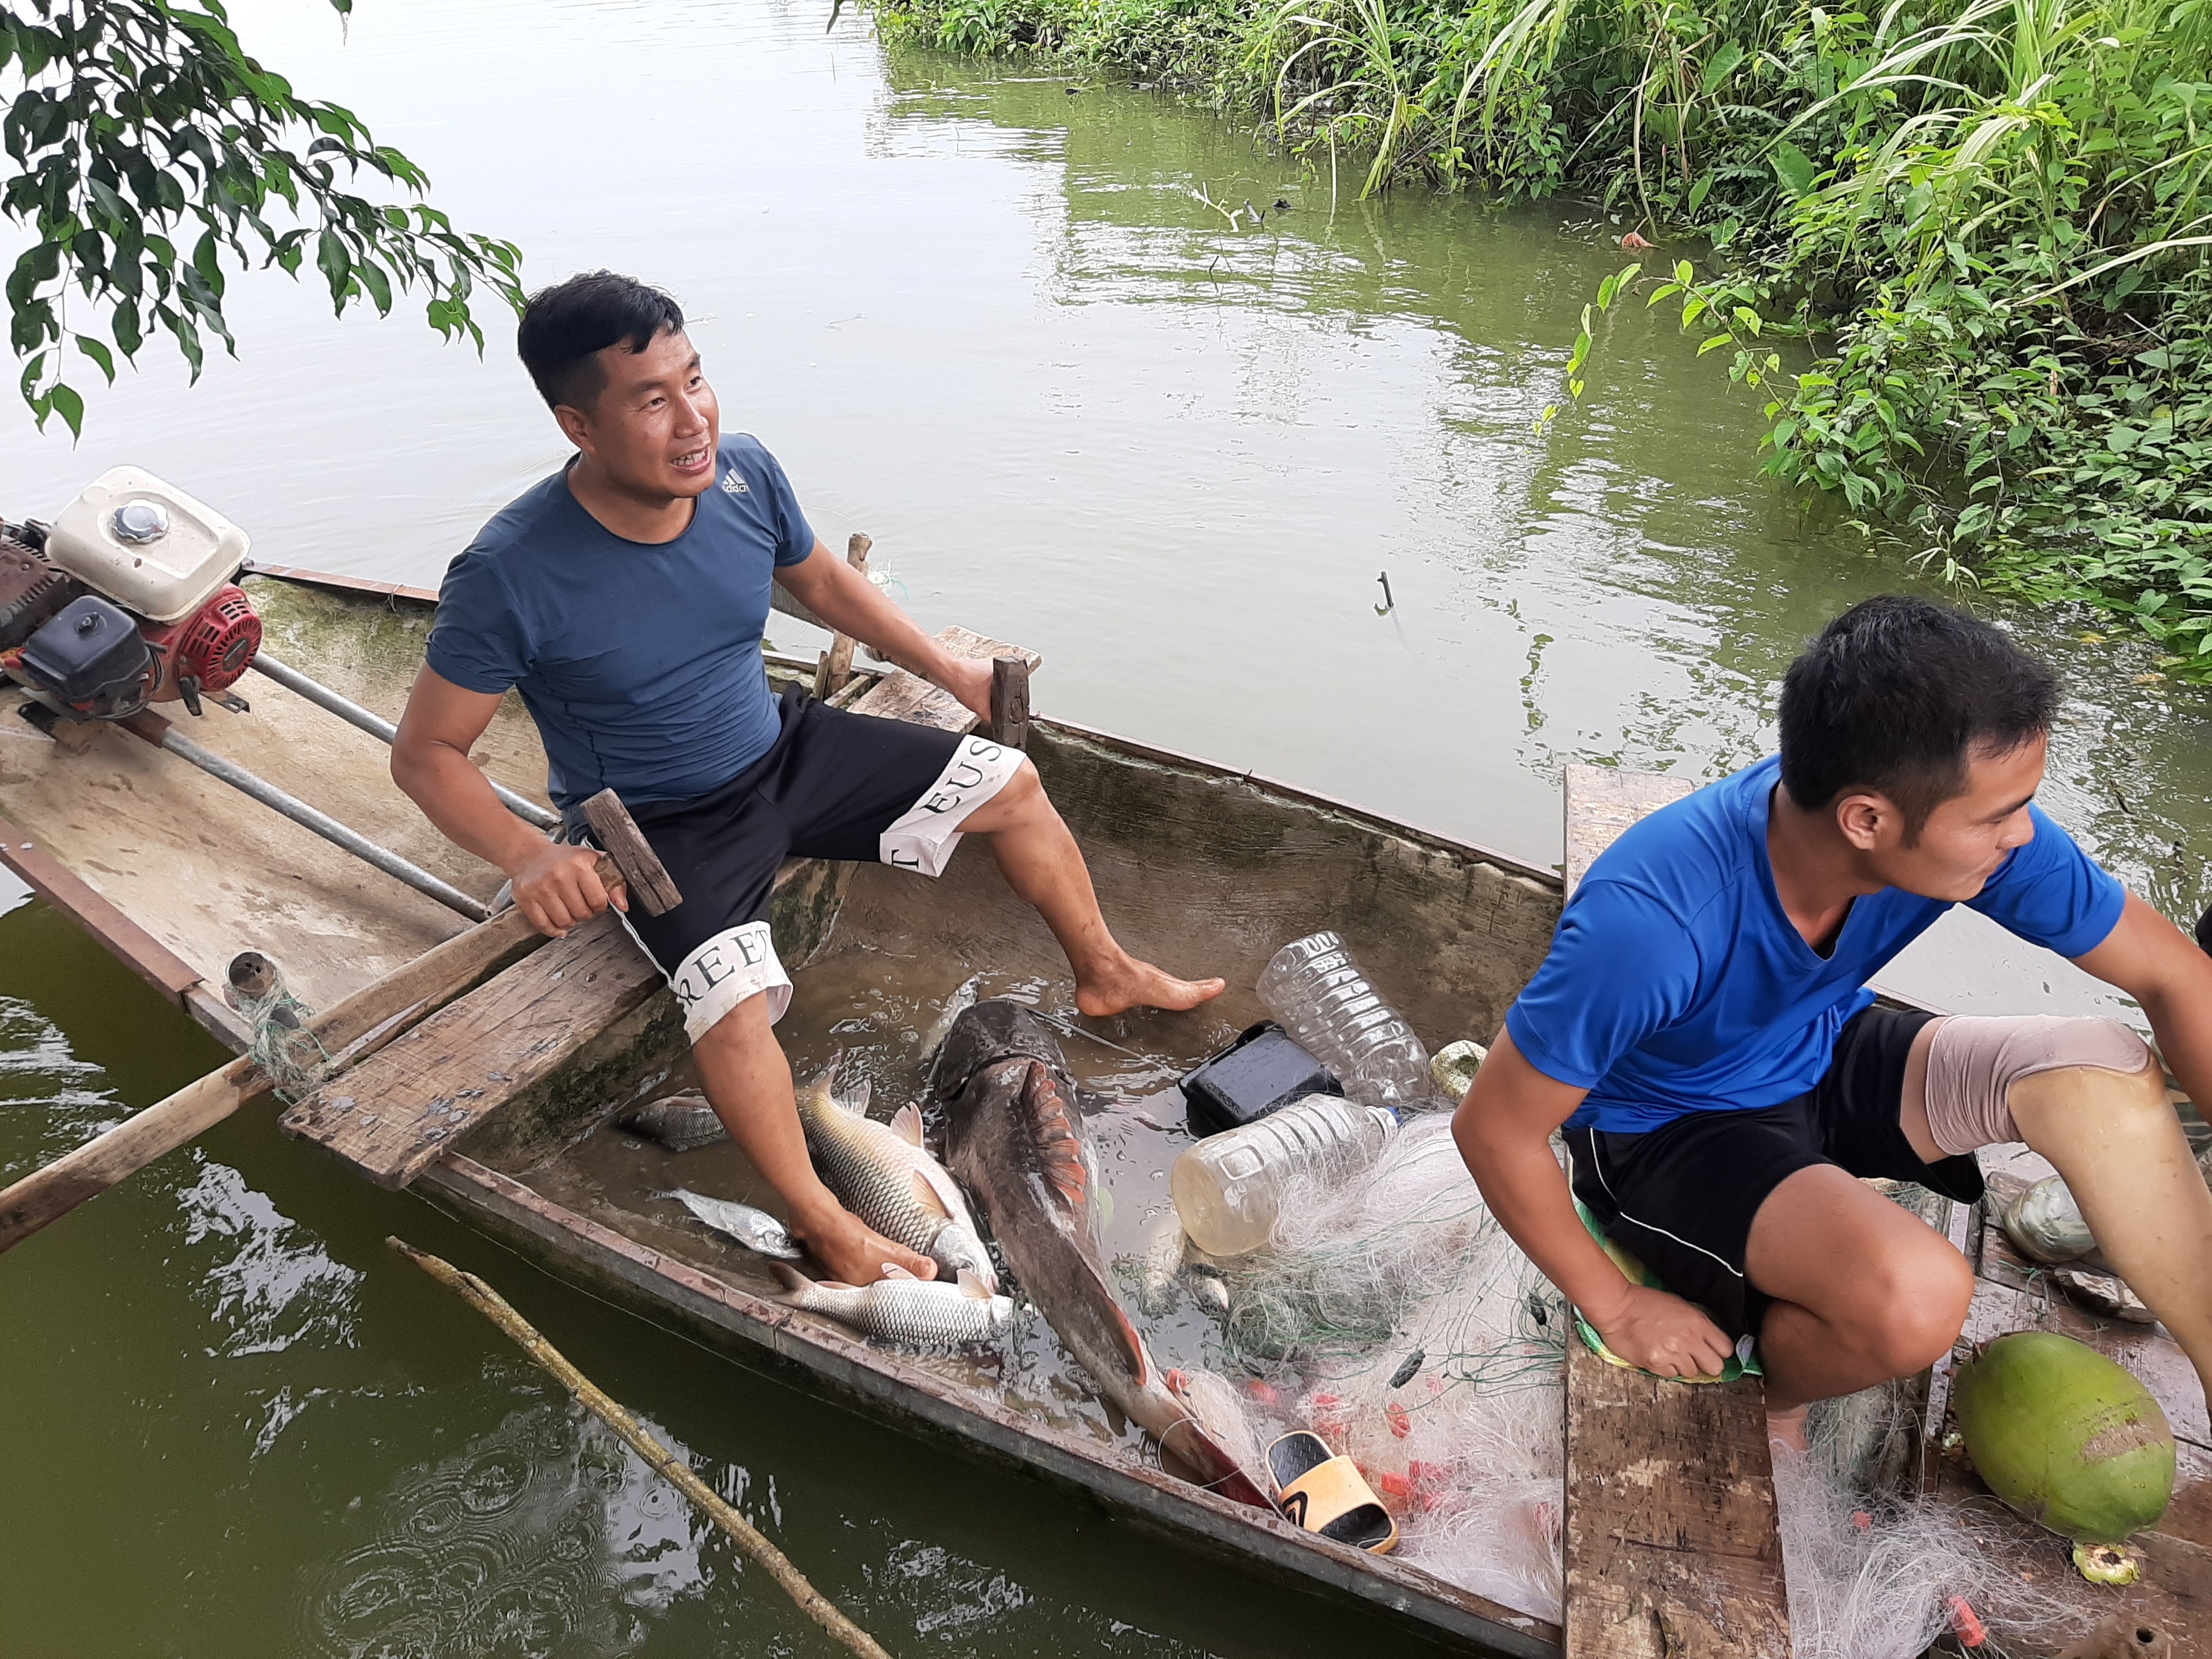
<point>1893,697</point>
<point>562,326</point>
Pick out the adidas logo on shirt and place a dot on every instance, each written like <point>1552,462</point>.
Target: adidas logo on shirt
<point>733,485</point>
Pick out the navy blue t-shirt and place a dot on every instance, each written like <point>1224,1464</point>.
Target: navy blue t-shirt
<point>640,662</point>
<point>1677,983</point>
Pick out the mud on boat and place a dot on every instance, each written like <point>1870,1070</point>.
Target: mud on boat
<point>499,1106</point>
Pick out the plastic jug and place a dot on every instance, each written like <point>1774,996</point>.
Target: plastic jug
<point>1315,986</point>
<point>1228,1188</point>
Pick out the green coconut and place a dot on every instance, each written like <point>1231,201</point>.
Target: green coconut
<point>2066,1436</point>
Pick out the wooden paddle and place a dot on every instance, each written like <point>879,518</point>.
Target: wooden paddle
<point>351,1032</point>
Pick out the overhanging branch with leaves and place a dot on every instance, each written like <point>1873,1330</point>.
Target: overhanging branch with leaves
<point>148,155</point>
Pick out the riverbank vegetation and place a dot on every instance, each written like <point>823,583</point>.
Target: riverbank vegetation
<point>1987,219</point>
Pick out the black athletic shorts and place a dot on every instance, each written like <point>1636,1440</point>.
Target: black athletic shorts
<point>1680,1199</point>
<point>833,784</point>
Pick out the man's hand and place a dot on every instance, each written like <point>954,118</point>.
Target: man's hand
<point>1662,1334</point>
<point>968,679</point>
<point>558,888</point>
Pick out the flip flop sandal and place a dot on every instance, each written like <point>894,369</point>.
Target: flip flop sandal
<point>1325,1493</point>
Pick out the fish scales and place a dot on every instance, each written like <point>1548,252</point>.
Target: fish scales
<point>881,1173</point>
<point>916,1312</point>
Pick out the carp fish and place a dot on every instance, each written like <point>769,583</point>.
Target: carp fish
<point>882,1174</point>
<point>1018,1142</point>
<point>900,1308</point>
<point>682,1123</point>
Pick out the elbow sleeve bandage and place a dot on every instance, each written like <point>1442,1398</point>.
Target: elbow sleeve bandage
<point>1973,1063</point>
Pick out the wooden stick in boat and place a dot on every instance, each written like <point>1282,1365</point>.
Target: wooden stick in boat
<point>839,667</point>
<point>665,1463</point>
<point>1009,701</point>
<point>356,1027</point>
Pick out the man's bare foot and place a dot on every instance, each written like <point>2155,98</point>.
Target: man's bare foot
<point>1133,984</point>
<point>1787,1429</point>
<point>854,1254</point>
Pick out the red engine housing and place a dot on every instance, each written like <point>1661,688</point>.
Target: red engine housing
<point>210,648</point>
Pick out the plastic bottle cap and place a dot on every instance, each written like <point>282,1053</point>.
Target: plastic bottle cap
<point>141,522</point>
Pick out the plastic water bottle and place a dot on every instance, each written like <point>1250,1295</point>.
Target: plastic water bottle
<point>1228,1188</point>
<point>1315,988</point>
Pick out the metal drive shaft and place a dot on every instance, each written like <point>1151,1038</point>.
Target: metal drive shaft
<point>377,726</point>
<point>307,818</point>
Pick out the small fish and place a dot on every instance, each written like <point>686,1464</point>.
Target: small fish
<point>682,1123</point>
<point>757,1230</point>
<point>881,1174</point>
<point>900,1308</point>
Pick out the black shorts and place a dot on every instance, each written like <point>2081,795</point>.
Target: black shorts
<point>833,784</point>
<point>1681,1198</point>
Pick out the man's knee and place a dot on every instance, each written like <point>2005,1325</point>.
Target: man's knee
<point>1993,1080</point>
<point>2101,1074</point>
<point>1912,1307</point>
<point>740,1030</point>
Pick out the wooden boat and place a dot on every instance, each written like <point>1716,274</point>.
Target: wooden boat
<point>498,1105</point>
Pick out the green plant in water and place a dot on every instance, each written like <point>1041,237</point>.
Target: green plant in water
<point>1986,220</point>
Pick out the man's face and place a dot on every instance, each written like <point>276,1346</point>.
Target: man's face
<point>655,426</point>
<point>1965,838</point>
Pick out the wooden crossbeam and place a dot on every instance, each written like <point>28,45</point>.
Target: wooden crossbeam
<point>400,1109</point>
<point>1672,1548</point>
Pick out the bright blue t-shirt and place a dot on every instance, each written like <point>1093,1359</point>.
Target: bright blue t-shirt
<point>1676,983</point>
<point>640,662</point>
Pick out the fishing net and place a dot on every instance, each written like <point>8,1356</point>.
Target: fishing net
<point>289,1054</point>
<point>1395,1317</point>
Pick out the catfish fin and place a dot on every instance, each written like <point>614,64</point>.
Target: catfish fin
<point>1132,1345</point>
<point>1057,1134</point>
<point>906,1124</point>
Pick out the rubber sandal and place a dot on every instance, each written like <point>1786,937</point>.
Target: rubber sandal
<point>1324,1492</point>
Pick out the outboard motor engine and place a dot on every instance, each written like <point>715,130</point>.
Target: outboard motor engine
<point>126,600</point>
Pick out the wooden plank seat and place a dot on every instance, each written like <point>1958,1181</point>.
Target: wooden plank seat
<point>403,1109</point>
<point>1672,1548</point>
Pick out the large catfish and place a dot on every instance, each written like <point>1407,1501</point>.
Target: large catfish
<point>1017,1141</point>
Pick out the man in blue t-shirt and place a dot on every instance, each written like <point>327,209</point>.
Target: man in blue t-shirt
<point>1702,1032</point>
<point>624,598</point>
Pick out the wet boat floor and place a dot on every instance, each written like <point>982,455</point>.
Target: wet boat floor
<point>880,1012</point>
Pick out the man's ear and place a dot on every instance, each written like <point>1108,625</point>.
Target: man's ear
<point>1862,816</point>
<point>576,426</point>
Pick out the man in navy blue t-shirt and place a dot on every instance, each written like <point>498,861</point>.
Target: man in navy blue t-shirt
<point>624,598</point>
<point>1703,1033</point>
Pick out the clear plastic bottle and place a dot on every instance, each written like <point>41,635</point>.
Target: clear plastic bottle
<point>1228,1188</point>
<point>1315,986</point>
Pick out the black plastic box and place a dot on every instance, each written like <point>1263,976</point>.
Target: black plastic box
<point>1263,1069</point>
<point>89,653</point>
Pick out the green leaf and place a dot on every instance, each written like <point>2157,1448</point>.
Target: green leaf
<point>1721,64</point>
<point>64,401</point>
<point>337,266</point>
<point>1793,167</point>
<point>99,353</point>
<point>1718,340</point>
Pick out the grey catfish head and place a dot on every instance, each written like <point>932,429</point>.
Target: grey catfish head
<point>992,1031</point>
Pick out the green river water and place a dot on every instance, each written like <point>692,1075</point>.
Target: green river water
<point>980,314</point>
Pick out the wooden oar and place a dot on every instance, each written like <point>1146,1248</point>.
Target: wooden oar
<point>363,1023</point>
<point>351,1031</point>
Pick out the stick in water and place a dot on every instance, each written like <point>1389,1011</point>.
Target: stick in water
<point>493,1306</point>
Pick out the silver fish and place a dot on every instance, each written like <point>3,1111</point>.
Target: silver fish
<point>1018,1139</point>
<point>899,1308</point>
<point>881,1174</point>
<point>757,1230</point>
<point>682,1123</point>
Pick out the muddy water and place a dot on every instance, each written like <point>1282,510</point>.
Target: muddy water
<point>988,322</point>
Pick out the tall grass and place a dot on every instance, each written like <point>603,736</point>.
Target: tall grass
<point>1990,218</point>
